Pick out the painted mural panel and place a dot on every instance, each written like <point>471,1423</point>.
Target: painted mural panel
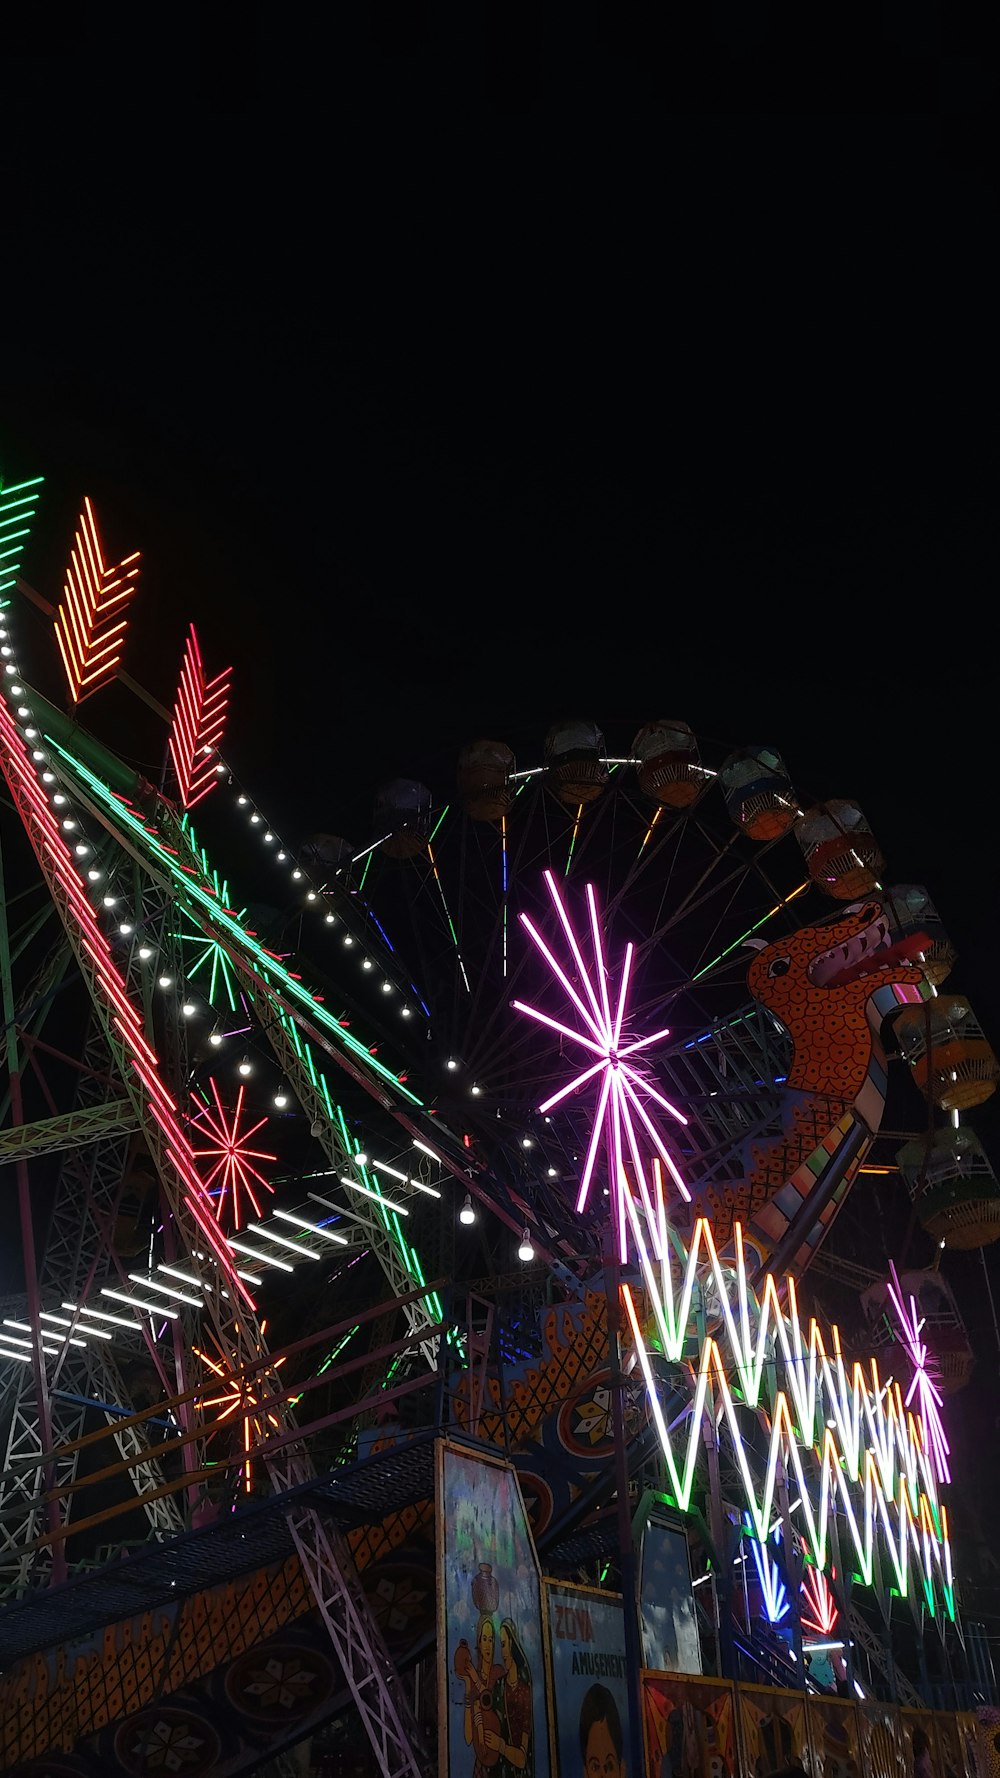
<point>492,1713</point>
<point>689,1726</point>
<point>774,1731</point>
<point>589,1689</point>
<point>881,1740</point>
<point>670,1640</point>
<point>834,1738</point>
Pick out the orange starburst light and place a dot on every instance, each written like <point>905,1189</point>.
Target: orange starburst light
<point>245,1398</point>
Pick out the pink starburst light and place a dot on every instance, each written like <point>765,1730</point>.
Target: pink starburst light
<point>818,1611</point>
<point>233,1169</point>
<point>922,1385</point>
<point>624,1093</point>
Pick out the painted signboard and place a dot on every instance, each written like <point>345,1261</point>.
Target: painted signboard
<point>670,1640</point>
<point>588,1682</point>
<point>492,1697</point>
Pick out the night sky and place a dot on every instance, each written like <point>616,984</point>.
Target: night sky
<point>452,385</point>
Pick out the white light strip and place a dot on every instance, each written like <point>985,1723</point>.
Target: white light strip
<point>317,1229</point>
<point>400,1209</point>
<point>186,1277</point>
<point>425,1150</point>
<point>8,1352</point>
<point>12,1340</point>
<point>283,1241</point>
<point>251,1277</point>
<point>141,1308</point>
<point>169,1290</point>
<point>44,1333</point>
<point>89,1333</point>
<point>417,1184</point>
<point>263,1259</point>
<point>103,1314</point>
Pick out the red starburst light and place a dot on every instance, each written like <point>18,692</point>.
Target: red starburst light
<point>233,1173</point>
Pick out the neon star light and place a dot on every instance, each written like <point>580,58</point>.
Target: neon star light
<point>90,624</point>
<point>624,1090</point>
<point>219,979</point>
<point>199,719</point>
<point>233,1173</point>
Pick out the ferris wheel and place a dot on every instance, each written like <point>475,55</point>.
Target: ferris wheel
<point>697,856</point>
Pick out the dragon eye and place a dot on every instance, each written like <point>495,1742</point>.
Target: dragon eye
<point>780,966</point>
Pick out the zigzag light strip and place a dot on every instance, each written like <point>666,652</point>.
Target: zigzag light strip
<point>844,1434</point>
<point>90,624</point>
<point>198,721</point>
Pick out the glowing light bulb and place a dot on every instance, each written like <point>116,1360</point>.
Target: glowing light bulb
<point>296,873</point>
<point>68,824</point>
<point>215,1038</point>
<point>311,895</point>
<point>125,927</point>
<point>467,1214</point>
<point>525,1251</point>
<point>246,1066</point>
<point>241,800</point>
<point>255,818</point>
<point>145,952</point>
<point>330,918</point>
<point>58,798</point>
<point>281,1099</point>
<point>166,981</point>
<point>366,963</point>
<point>188,1009</point>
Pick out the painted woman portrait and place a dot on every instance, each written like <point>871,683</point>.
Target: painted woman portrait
<point>512,1745</point>
<point>483,1677</point>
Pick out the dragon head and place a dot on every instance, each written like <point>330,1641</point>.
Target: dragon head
<point>853,956</point>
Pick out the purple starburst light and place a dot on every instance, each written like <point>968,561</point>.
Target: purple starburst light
<point>624,1092</point>
<point>929,1397</point>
